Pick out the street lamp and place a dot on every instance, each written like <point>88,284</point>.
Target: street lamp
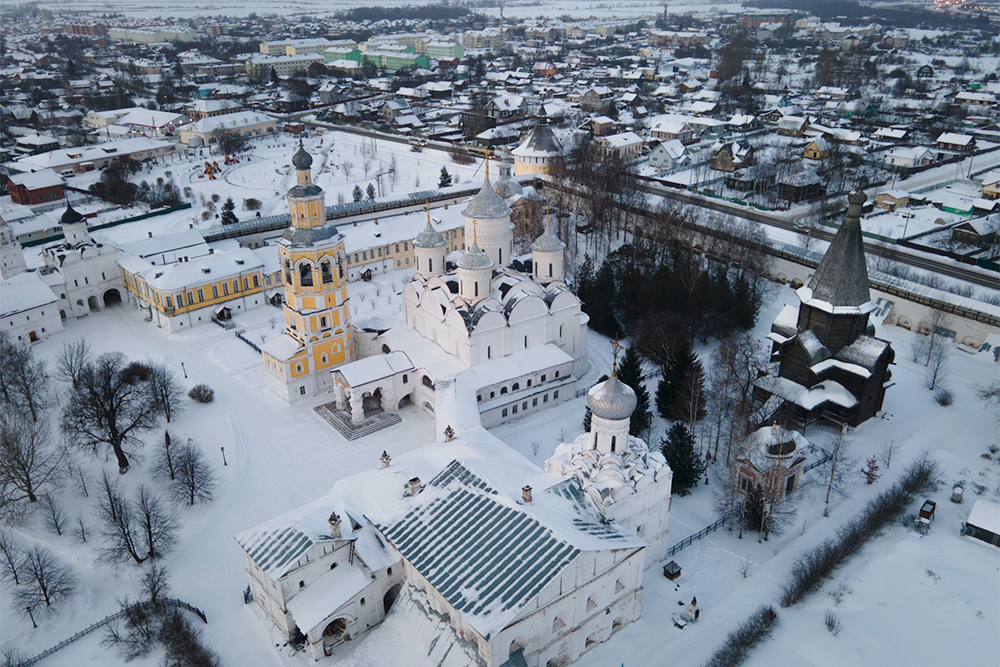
<point>32,617</point>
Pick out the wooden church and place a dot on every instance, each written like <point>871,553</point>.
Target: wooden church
<point>831,367</point>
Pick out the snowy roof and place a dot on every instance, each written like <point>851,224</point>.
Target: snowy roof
<point>64,156</point>
<point>22,292</point>
<point>229,121</point>
<point>475,258</point>
<point>46,178</point>
<point>369,369</point>
<point>167,247</point>
<point>282,348</point>
<point>429,237</point>
<point>864,352</point>
<point>621,140</point>
<point>326,594</point>
<point>540,142</point>
<point>828,391</point>
<point>954,138</point>
<point>199,270</point>
<point>548,242</point>
<point>985,515</point>
<point>786,323</point>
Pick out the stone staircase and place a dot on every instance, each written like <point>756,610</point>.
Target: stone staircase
<point>341,421</point>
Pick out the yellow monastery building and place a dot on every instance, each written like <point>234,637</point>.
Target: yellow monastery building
<point>318,333</point>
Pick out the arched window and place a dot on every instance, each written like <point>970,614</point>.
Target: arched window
<point>516,386</point>
<point>560,330</point>
<point>536,267</point>
<point>477,288</point>
<point>306,275</point>
<point>302,584</point>
<point>558,624</point>
<point>503,390</point>
<point>591,604</point>
<point>550,269</point>
<point>298,368</point>
<point>619,586</point>
<point>326,272</point>
<point>489,352</point>
<point>430,265</point>
<point>324,359</point>
<point>613,439</point>
<point>288,271</point>
<point>526,342</point>
<point>427,382</point>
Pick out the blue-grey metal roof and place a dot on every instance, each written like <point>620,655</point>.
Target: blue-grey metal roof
<point>485,556</point>
<point>276,551</point>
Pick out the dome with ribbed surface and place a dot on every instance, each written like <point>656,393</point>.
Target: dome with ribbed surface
<point>611,399</point>
<point>507,187</point>
<point>487,204</point>
<point>429,238</point>
<point>475,259</point>
<point>70,215</point>
<point>302,160</point>
<point>548,242</point>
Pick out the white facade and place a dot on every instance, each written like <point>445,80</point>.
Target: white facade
<point>11,255</point>
<point>83,273</point>
<point>28,310</point>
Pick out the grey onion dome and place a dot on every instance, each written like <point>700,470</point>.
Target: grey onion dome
<point>302,160</point>
<point>507,187</point>
<point>429,238</point>
<point>70,215</point>
<point>487,204</point>
<point>611,399</point>
<point>475,259</point>
<point>548,242</point>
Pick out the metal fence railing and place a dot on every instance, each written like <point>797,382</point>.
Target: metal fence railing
<point>168,602</point>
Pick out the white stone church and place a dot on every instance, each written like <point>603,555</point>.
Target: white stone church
<point>486,559</point>
<point>515,342</point>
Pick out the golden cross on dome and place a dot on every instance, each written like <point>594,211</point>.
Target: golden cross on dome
<point>546,215</point>
<point>427,207</point>
<point>614,351</point>
<point>475,235</point>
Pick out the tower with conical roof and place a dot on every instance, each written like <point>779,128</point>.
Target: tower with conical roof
<point>540,152</point>
<point>475,272</point>
<point>318,334</point>
<point>430,250</point>
<point>547,255</point>
<point>74,226</point>
<point>492,216</point>
<point>831,367</point>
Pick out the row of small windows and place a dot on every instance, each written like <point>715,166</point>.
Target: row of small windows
<point>534,403</point>
<point>517,386</point>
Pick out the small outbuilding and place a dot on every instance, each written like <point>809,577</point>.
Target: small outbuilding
<point>983,522</point>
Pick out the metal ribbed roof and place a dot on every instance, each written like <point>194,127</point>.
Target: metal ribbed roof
<point>429,238</point>
<point>275,551</point>
<point>485,556</point>
<point>841,279</point>
<point>486,204</point>
<point>611,399</point>
<point>548,242</point>
<point>475,259</point>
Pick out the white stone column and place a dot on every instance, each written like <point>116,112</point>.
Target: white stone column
<point>341,395</point>
<point>357,407</point>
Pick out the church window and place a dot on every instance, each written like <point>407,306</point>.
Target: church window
<point>302,391</point>
<point>326,272</point>
<point>536,267</point>
<point>555,395</point>
<point>225,289</point>
<point>407,261</point>
<point>256,280</point>
<point>489,352</point>
<point>560,331</point>
<point>380,252</point>
<point>306,275</point>
<point>170,302</point>
<point>322,322</point>
<point>639,530</point>
<point>190,298</point>
<point>493,394</point>
<point>516,386</point>
<point>362,602</point>
<point>558,624</point>
<point>545,398</point>
<point>298,368</point>
<point>427,382</point>
<point>355,258</point>
<point>514,409</point>
<point>302,584</point>
<point>86,280</point>
<point>529,382</point>
<point>550,269</point>
<point>340,271</point>
<point>180,299</point>
<point>619,586</point>
<point>76,283</point>
<point>479,398</point>
<point>500,255</point>
<point>613,439</point>
<point>557,374</point>
<point>543,377</point>
<point>477,288</point>
<point>524,406</point>
<point>505,412</point>
<point>526,342</point>
<point>397,247</point>
<point>103,277</point>
<point>406,245</point>
<point>399,263</point>
<point>201,294</point>
<point>333,565</point>
<point>591,604</point>
<point>406,379</point>
<point>324,359</point>
<point>534,402</point>
<point>246,284</point>
<point>388,571</point>
<point>503,390</point>
<point>215,291</point>
<point>364,255</point>
<point>430,265</point>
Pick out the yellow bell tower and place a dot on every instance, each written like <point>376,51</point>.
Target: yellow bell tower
<point>318,333</point>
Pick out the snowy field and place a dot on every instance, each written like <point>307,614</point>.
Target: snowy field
<point>265,173</point>
<point>942,588</point>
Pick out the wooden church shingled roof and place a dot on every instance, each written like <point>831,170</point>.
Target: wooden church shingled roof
<point>842,276</point>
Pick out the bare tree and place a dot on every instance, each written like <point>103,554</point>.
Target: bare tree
<point>164,465</point>
<point>11,558</point>
<point>44,579</point>
<point>347,166</point>
<point>80,532</point>
<point>937,365</point>
<point>990,395</point>
<point>135,634</point>
<point>72,359</point>
<point>157,523</point>
<point>183,643</point>
<point>195,480</point>
<point>110,407</point>
<point>166,390</point>
<point>366,165</point>
<point>154,584</point>
<point>29,463</point>
<point>54,514</point>
<point>885,452</point>
<point>23,379</point>
<point>120,531</point>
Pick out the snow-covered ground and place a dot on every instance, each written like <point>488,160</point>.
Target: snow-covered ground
<point>280,457</point>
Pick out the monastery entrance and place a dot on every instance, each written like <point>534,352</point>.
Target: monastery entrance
<point>373,403</point>
<point>334,634</point>
<point>390,597</point>
<point>112,297</point>
<point>93,303</point>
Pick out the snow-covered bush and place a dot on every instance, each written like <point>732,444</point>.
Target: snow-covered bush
<point>743,639</point>
<point>202,393</point>
<point>944,397</point>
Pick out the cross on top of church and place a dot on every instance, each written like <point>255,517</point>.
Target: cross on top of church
<point>475,235</point>
<point>614,351</point>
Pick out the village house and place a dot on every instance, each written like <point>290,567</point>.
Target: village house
<point>596,99</point>
<point>909,157</point>
<point>211,130</point>
<point>626,145</point>
<point>29,310</point>
<point>792,126</point>
<point>732,156</point>
<point>953,141</point>
<point>991,184</point>
<point>670,129</point>
<point>890,200</point>
<point>817,149</point>
<point>667,155</point>
<point>38,187</point>
<point>506,107</point>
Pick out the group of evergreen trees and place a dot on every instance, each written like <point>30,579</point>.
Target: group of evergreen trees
<point>643,280</point>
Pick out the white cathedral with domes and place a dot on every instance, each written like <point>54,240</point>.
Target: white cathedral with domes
<point>516,342</point>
